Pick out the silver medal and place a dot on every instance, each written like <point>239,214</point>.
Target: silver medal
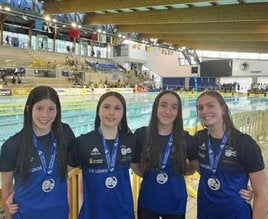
<point>48,185</point>
<point>214,184</point>
<point>111,182</point>
<point>162,178</point>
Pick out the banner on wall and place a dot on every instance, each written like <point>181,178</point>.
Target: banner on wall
<point>21,91</point>
<point>73,33</point>
<point>250,68</point>
<point>94,36</point>
<point>102,38</point>
<point>5,92</point>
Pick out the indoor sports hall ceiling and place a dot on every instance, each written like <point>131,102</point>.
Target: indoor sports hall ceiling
<point>224,25</point>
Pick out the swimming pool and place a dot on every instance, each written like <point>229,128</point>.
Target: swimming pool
<point>79,113</point>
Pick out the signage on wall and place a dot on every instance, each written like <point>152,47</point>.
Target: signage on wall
<point>244,66</point>
<point>249,68</point>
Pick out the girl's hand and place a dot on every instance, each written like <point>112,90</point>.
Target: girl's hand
<point>246,194</point>
<point>12,208</point>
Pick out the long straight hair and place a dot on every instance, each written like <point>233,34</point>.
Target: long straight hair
<point>151,153</point>
<point>123,126</point>
<point>26,149</point>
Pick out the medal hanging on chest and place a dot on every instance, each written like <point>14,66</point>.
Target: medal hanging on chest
<point>111,181</point>
<point>213,182</point>
<point>162,177</point>
<point>49,183</point>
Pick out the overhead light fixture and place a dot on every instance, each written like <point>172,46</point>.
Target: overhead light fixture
<point>7,8</point>
<point>47,18</point>
<point>74,24</point>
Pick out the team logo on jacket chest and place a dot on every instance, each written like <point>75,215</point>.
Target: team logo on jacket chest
<point>95,156</point>
<point>202,146</point>
<point>95,151</point>
<point>125,150</point>
<point>229,153</point>
<point>202,150</point>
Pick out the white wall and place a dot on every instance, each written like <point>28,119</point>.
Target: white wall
<point>167,64</point>
<point>137,52</point>
<point>263,80</point>
<point>163,62</point>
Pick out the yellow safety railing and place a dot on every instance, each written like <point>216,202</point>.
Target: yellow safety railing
<point>136,181</point>
<point>264,129</point>
<point>74,192</point>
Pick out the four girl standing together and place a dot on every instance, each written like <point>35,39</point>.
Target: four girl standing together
<point>161,153</point>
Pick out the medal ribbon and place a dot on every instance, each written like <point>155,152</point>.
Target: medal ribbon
<point>47,169</point>
<point>110,158</point>
<point>214,162</point>
<point>163,161</point>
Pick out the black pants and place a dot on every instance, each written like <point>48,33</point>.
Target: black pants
<point>148,214</point>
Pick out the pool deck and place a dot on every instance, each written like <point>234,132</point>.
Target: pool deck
<point>191,203</point>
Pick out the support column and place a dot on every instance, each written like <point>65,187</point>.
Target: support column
<point>1,33</point>
<point>2,19</point>
<point>30,34</point>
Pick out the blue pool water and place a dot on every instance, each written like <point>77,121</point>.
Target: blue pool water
<point>79,113</point>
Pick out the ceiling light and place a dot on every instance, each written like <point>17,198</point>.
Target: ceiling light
<point>74,24</point>
<point>47,18</point>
